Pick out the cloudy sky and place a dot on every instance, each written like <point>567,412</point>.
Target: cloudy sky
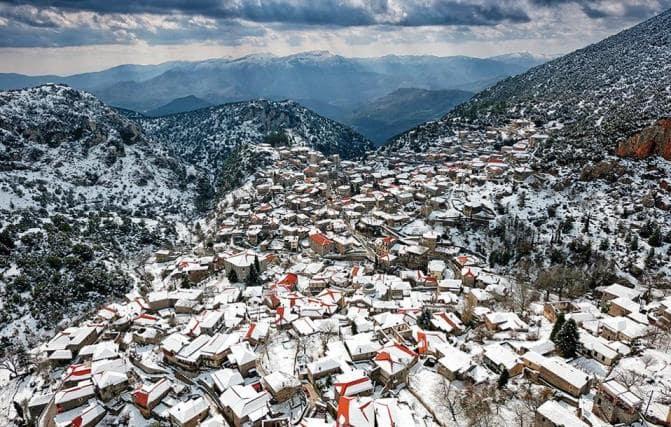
<point>69,36</point>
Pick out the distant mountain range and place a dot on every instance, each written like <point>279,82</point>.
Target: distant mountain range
<point>333,86</point>
<point>179,105</point>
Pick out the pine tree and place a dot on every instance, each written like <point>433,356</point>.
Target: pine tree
<point>257,265</point>
<point>557,327</point>
<point>567,339</point>
<point>650,259</point>
<point>655,239</point>
<point>253,276</point>
<point>647,229</point>
<point>503,379</point>
<point>232,276</point>
<point>424,320</point>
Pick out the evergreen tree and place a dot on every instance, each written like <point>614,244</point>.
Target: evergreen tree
<point>655,239</point>
<point>424,319</point>
<point>604,245</point>
<point>567,339</point>
<point>650,259</point>
<point>232,276</point>
<point>647,229</point>
<point>503,379</point>
<point>253,277</point>
<point>257,265</point>
<point>557,327</point>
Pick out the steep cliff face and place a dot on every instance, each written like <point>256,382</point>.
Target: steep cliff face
<point>651,141</point>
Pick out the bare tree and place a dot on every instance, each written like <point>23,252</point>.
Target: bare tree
<point>327,330</point>
<point>659,338</point>
<point>15,362</point>
<point>523,293</point>
<point>664,393</point>
<point>630,378</point>
<point>301,348</point>
<point>477,404</point>
<point>468,310</point>
<point>449,398</point>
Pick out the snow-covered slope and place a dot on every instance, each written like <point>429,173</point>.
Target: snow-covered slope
<point>207,136</point>
<point>83,193</point>
<point>62,148</point>
<point>599,95</point>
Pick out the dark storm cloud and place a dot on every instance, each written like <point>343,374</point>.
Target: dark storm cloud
<point>599,9</point>
<point>31,27</point>
<point>310,12</point>
<point>459,13</point>
<point>85,22</point>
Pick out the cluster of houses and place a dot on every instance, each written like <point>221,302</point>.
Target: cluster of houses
<point>324,287</point>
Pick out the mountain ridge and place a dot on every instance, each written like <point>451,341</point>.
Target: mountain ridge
<point>402,109</point>
<point>597,96</point>
<point>207,136</point>
<point>83,192</point>
<point>179,105</point>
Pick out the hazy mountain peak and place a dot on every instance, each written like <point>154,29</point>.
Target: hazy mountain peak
<point>179,105</point>
<point>312,54</point>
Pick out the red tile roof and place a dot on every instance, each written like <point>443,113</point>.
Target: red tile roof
<point>321,239</point>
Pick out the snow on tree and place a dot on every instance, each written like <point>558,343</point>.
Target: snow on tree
<point>557,327</point>
<point>567,339</point>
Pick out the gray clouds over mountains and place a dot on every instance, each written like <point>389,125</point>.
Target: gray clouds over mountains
<point>89,22</point>
<point>70,36</point>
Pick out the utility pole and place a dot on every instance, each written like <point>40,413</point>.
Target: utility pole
<point>648,405</point>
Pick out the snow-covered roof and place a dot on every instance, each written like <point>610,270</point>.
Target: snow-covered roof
<point>82,390</point>
<point>616,389</point>
<point>244,400</point>
<point>279,380</point>
<point>352,383</point>
<point>394,358</point>
<point>454,360</point>
<point>226,377</point>
<point>560,415</point>
<point>625,326</point>
<point>358,412</point>
<point>361,344</point>
<point>501,356</point>
<point>618,290</point>
<point>184,412</point>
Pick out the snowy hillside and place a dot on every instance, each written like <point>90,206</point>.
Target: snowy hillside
<point>206,137</point>
<point>63,148</point>
<point>578,120</point>
<point>82,194</point>
<point>598,95</point>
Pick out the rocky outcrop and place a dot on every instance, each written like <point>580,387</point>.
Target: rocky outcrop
<point>651,141</point>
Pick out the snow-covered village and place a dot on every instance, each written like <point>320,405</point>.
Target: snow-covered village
<point>342,213</point>
<point>325,292</point>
